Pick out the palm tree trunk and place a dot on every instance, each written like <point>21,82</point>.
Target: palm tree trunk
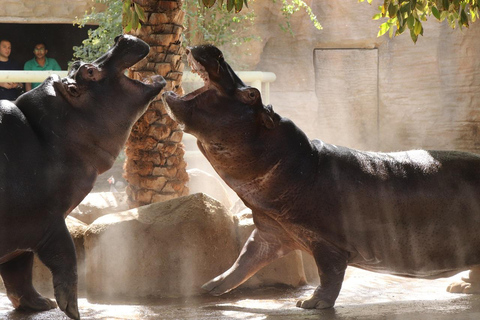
<point>155,168</point>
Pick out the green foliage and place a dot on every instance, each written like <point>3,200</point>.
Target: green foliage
<point>291,7</point>
<point>237,4</point>
<point>403,14</point>
<point>216,25</point>
<point>133,14</point>
<point>102,38</point>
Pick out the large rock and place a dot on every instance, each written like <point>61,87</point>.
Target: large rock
<point>97,204</point>
<point>201,181</point>
<point>166,249</point>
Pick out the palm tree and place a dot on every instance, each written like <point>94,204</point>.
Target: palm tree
<point>155,168</point>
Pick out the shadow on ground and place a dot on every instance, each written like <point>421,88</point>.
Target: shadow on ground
<point>364,295</point>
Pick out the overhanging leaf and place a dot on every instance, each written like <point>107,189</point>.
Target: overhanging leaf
<point>230,5</point>
<point>140,13</point>
<point>418,29</point>
<point>435,12</point>
<point>383,29</point>
<point>238,5</point>
<point>208,3</point>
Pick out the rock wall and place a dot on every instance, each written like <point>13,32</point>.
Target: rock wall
<point>423,95</point>
<point>44,11</point>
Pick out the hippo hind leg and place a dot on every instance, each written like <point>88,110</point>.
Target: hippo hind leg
<point>470,284</point>
<point>331,266</point>
<point>17,278</point>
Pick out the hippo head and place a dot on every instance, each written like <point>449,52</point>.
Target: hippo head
<point>94,108</point>
<point>223,114</point>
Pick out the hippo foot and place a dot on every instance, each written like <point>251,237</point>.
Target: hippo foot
<point>314,303</point>
<point>67,301</point>
<point>34,302</point>
<point>470,284</point>
<point>216,286</point>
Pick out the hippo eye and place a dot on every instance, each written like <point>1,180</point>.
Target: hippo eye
<point>252,94</point>
<point>90,72</point>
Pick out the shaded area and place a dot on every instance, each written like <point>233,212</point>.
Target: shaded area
<point>365,295</point>
<point>59,39</point>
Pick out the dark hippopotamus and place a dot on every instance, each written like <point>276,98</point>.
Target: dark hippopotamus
<point>413,213</point>
<point>54,142</point>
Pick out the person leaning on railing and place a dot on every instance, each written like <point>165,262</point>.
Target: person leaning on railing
<point>8,90</point>
<point>40,63</point>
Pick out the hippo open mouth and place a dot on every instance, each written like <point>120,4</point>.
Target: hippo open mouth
<point>208,62</point>
<point>126,52</point>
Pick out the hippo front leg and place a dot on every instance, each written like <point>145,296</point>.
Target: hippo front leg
<point>259,250</point>
<point>331,265</point>
<point>58,254</point>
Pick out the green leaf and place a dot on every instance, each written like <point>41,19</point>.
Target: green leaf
<point>208,3</point>
<point>377,16</point>
<point>410,22</point>
<point>445,4</point>
<point>230,5</point>
<point>418,29</point>
<point>238,5</point>
<point>140,13</point>
<point>392,10</point>
<point>135,21</point>
<point>435,12</point>
<point>129,26</point>
<point>413,36</point>
<point>463,19</point>
<point>383,29</point>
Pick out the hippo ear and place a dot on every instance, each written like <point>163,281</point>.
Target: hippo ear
<point>267,115</point>
<point>248,95</point>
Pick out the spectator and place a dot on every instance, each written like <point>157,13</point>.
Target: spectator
<point>8,90</point>
<point>40,63</point>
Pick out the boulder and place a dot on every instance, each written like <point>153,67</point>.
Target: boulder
<point>284,271</point>
<point>201,181</point>
<point>166,249</point>
<point>97,204</point>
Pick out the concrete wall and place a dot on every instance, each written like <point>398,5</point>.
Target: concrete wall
<point>43,11</point>
<point>374,93</point>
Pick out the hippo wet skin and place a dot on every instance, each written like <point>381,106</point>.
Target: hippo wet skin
<point>413,213</point>
<point>54,141</point>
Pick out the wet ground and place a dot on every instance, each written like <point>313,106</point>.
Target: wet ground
<point>364,295</point>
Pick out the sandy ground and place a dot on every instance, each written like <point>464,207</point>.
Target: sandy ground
<point>364,295</point>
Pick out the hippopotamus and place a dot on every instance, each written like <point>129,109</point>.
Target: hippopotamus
<point>55,141</point>
<point>414,213</point>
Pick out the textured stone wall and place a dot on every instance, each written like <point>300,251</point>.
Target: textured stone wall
<point>427,93</point>
<point>43,11</point>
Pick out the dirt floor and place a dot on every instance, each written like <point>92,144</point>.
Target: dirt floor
<point>364,295</point>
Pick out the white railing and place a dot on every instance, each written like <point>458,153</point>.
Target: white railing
<point>28,76</point>
<point>257,79</point>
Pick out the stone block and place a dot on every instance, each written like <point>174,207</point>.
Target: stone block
<point>97,204</point>
<point>201,181</point>
<point>166,249</point>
